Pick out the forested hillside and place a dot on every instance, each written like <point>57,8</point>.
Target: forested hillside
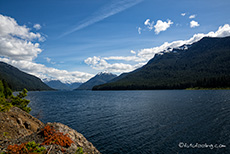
<point>19,80</point>
<point>205,64</point>
<point>98,79</point>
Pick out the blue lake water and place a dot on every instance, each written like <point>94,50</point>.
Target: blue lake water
<point>142,122</point>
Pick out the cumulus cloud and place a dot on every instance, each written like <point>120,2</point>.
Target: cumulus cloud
<point>223,31</point>
<point>133,52</point>
<point>19,47</point>
<point>146,21</point>
<point>192,16</point>
<point>16,41</point>
<point>162,26</point>
<point>144,55</point>
<point>149,24</point>
<point>183,14</point>
<point>37,26</point>
<point>9,27</point>
<point>194,24</point>
<point>99,63</point>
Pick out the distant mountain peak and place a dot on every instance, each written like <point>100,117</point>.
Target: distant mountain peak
<point>104,72</point>
<point>100,78</point>
<point>57,84</point>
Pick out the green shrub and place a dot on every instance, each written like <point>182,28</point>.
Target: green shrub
<point>6,135</point>
<point>5,105</point>
<point>79,151</point>
<point>7,99</point>
<point>20,102</point>
<point>1,90</point>
<point>26,148</point>
<point>33,147</point>
<point>7,92</point>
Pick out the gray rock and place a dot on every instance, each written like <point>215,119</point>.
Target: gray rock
<point>27,125</point>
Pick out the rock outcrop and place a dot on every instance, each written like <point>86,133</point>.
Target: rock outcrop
<point>16,124</point>
<point>19,127</point>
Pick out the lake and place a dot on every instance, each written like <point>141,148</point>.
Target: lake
<point>142,122</point>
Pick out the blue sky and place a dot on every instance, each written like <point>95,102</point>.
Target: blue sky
<point>79,38</point>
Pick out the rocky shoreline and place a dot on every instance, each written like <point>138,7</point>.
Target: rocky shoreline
<point>18,127</point>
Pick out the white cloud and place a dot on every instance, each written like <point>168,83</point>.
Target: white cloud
<point>133,52</point>
<point>48,59</point>
<point>37,26</point>
<point>223,31</point>
<point>19,47</point>
<point>139,30</point>
<point>194,24</point>
<point>99,63</point>
<point>162,26</point>
<point>192,16</point>
<point>108,10</point>
<point>16,41</point>
<point>183,14</point>
<point>9,27</point>
<point>149,24</point>
<point>144,55</point>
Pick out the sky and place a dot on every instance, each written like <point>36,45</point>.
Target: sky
<point>72,40</point>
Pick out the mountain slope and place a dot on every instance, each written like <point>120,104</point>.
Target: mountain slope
<point>100,78</point>
<point>205,63</point>
<point>74,85</point>
<point>19,80</point>
<point>56,84</point>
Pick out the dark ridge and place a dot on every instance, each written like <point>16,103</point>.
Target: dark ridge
<point>19,80</point>
<point>205,64</point>
<point>100,78</point>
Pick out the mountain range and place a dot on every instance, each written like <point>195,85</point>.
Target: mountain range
<point>56,84</point>
<point>18,80</point>
<point>98,79</point>
<point>204,64</point>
